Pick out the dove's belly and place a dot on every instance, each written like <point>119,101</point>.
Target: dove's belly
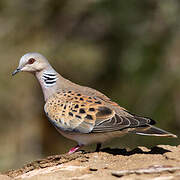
<point>90,138</point>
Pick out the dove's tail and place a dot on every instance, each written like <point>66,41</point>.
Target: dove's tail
<point>150,130</point>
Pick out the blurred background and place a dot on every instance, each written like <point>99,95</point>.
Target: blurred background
<point>129,50</point>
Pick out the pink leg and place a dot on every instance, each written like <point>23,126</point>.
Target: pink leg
<point>74,149</point>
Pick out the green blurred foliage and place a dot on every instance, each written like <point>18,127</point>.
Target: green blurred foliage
<point>129,50</point>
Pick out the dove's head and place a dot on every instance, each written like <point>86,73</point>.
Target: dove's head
<point>32,62</point>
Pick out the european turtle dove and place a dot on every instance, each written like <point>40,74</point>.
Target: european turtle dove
<point>80,113</point>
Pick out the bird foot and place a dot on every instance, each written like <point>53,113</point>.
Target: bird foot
<point>98,147</point>
<point>74,149</point>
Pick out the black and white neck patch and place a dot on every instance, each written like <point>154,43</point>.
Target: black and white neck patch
<point>49,79</point>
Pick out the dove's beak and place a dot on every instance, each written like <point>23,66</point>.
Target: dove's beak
<point>16,71</point>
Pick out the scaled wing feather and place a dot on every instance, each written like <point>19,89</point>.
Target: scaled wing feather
<point>72,111</point>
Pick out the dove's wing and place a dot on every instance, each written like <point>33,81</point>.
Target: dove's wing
<point>72,111</point>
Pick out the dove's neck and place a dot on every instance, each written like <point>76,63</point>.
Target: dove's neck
<point>49,80</point>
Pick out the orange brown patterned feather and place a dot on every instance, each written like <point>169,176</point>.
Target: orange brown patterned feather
<point>72,111</point>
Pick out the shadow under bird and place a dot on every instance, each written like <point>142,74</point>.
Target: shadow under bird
<point>80,113</point>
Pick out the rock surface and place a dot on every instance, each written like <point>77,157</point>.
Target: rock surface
<point>159,163</point>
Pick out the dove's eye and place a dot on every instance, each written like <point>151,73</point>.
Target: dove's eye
<point>31,61</point>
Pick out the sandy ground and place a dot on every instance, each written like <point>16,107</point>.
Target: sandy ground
<point>159,163</point>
